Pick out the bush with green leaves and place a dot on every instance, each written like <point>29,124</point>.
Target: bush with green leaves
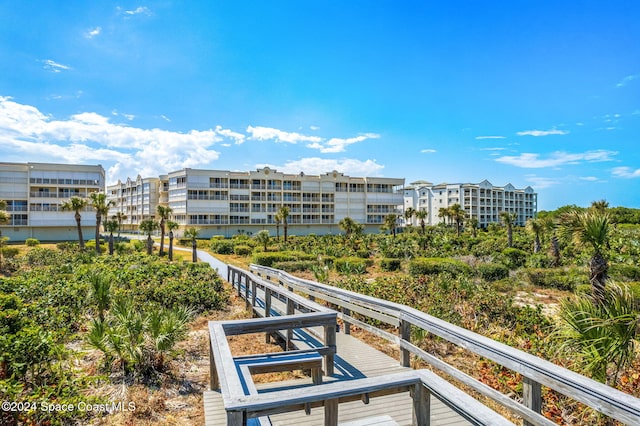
<point>624,272</point>
<point>242,250</point>
<point>269,258</point>
<point>390,264</point>
<point>437,265</point>
<point>492,271</point>
<point>560,278</point>
<point>221,246</point>
<point>352,265</point>
<point>32,242</point>
<point>513,258</point>
<point>296,265</point>
<point>10,252</point>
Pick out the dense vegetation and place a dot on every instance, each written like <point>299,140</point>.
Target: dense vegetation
<point>57,303</point>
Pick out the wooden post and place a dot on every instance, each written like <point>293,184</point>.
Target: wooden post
<point>237,280</point>
<point>235,418</point>
<point>405,334</point>
<point>254,288</point>
<point>330,341</point>
<point>331,412</point>
<point>421,405</point>
<point>267,311</point>
<point>531,396</point>
<point>347,324</point>
<point>213,373</point>
<point>290,311</point>
<point>247,302</point>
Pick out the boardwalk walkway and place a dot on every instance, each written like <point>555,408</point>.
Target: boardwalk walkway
<point>354,360</point>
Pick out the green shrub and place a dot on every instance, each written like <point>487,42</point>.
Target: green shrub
<point>436,265</point>
<point>556,278</point>
<point>624,272</point>
<point>538,260</point>
<point>493,271</point>
<point>242,250</point>
<point>352,265</point>
<point>224,246</point>
<point>388,264</point>
<point>514,258</point>
<point>67,246</point>
<point>137,245</point>
<point>32,242</point>
<point>295,265</point>
<point>269,258</point>
<point>10,252</point>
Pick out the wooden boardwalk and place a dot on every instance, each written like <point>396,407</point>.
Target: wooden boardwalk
<point>354,360</point>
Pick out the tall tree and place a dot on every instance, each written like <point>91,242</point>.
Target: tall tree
<point>284,215</point>
<point>591,228</point>
<point>409,213</point>
<point>163,214</point>
<point>422,215</point>
<point>509,219</point>
<point>443,213</point>
<point>277,219</point>
<point>101,205</point>
<point>120,217</point>
<point>148,226</point>
<point>536,228</point>
<point>110,226</point>
<point>192,234</point>
<point>171,225</point>
<point>457,214</point>
<point>472,223</point>
<point>390,223</point>
<point>600,205</point>
<point>76,204</point>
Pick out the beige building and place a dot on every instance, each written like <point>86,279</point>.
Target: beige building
<point>137,199</point>
<point>481,200</point>
<point>34,193</point>
<point>225,203</point>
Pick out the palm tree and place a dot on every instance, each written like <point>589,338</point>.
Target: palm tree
<point>120,217</point>
<point>390,223</point>
<point>535,227</point>
<point>163,213</point>
<point>277,219</point>
<point>602,335</point>
<point>76,204</point>
<point>192,234</point>
<point>591,228</point>
<point>284,215</point>
<point>100,291</point>
<point>348,225</point>
<point>101,205</point>
<point>262,237</point>
<point>456,212</point>
<point>171,225</point>
<point>422,215</point>
<point>110,226</point>
<point>472,223</point>
<point>600,205</point>
<point>443,213</point>
<point>508,219</point>
<point>148,226</point>
<point>408,215</point>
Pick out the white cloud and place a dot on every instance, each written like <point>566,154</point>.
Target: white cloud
<point>90,137</point>
<point>489,137</point>
<point>269,133</point>
<point>589,178</point>
<point>139,10</point>
<point>165,118</point>
<point>628,79</point>
<point>556,159</point>
<point>542,132</point>
<point>318,166</point>
<point>493,149</point>
<point>428,151</point>
<point>54,66</point>
<point>626,172</point>
<point>338,144</point>
<point>238,137</point>
<point>93,32</point>
<point>314,127</point>
<point>539,182</point>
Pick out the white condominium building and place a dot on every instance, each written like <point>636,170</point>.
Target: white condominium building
<point>226,203</point>
<point>34,193</point>
<point>481,200</point>
<point>137,200</point>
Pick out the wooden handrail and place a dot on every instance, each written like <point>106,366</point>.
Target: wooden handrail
<point>603,398</point>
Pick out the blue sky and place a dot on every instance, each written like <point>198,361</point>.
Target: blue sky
<point>542,93</point>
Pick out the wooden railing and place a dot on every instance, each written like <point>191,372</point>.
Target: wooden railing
<point>536,372</point>
<point>301,312</point>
